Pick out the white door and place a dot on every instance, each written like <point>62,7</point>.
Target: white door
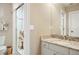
<point>74,23</point>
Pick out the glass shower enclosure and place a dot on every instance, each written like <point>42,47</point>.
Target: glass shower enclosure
<point>20,28</point>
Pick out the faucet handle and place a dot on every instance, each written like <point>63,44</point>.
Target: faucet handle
<point>66,37</point>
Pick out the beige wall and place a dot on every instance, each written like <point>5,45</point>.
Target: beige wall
<point>40,18</point>
<point>46,20</point>
<point>7,9</point>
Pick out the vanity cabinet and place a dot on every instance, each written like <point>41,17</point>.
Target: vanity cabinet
<point>45,50</point>
<point>48,48</point>
<point>58,49</point>
<point>74,52</point>
<point>52,49</point>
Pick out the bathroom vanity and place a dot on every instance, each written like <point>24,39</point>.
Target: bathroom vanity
<point>66,25</point>
<point>55,46</point>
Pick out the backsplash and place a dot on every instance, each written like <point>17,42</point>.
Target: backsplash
<point>67,37</point>
<point>61,37</point>
<point>57,36</point>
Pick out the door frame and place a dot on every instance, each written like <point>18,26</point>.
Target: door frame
<point>69,22</point>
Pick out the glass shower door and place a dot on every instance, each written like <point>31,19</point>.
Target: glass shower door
<point>20,29</point>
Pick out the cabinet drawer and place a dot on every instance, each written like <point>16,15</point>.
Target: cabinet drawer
<point>58,48</point>
<point>44,44</point>
<point>74,52</point>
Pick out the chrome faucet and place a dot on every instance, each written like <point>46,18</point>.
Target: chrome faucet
<point>69,38</point>
<point>65,37</point>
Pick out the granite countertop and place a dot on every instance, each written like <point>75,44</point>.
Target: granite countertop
<point>62,42</point>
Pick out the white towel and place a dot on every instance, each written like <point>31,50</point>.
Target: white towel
<point>2,40</point>
<point>3,49</point>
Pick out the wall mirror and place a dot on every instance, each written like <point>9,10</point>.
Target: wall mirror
<point>20,28</point>
<point>65,19</point>
<point>58,19</point>
<point>73,20</point>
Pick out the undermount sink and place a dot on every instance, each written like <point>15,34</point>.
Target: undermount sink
<point>69,42</point>
<point>62,41</point>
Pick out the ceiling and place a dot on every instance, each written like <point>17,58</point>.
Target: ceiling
<point>68,4</point>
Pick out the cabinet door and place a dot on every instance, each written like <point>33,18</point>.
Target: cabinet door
<point>74,52</point>
<point>44,44</point>
<point>60,53</point>
<point>44,48</point>
<point>60,49</point>
<point>51,52</point>
<point>46,51</point>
